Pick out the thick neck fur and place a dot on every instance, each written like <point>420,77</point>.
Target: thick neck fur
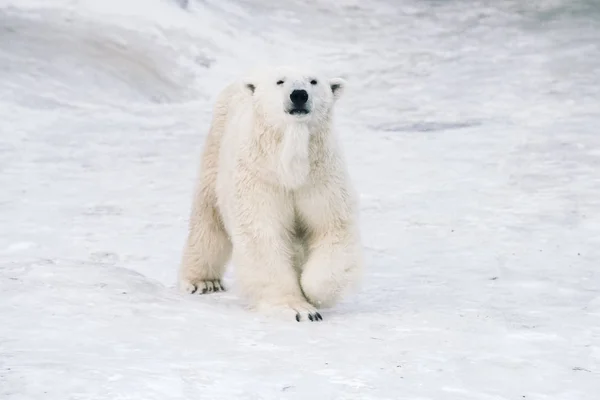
<point>288,156</point>
<point>294,156</point>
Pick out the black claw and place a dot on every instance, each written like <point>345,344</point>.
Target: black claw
<point>204,290</point>
<point>310,316</point>
<point>195,289</point>
<point>319,317</point>
<point>298,317</point>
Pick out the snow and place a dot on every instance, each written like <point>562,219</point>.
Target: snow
<point>471,129</point>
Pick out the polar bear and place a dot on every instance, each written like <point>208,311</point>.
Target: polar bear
<point>274,196</point>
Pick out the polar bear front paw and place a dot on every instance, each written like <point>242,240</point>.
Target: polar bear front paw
<point>203,286</point>
<point>313,316</point>
<point>299,310</point>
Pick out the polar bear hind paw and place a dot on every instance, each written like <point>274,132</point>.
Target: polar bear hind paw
<point>203,286</point>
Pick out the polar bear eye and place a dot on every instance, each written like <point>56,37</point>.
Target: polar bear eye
<point>313,82</point>
<point>280,82</point>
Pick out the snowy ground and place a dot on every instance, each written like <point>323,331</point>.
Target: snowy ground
<point>471,128</point>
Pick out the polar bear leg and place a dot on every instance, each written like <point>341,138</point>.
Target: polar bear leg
<point>263,255</point>
<point>208,248</point>
<point>207,251</point>
<point>335,261</point>
<point>333,266</point>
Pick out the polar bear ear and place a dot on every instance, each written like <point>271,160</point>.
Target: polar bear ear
<point>337,87</point>
<point>250,87</point>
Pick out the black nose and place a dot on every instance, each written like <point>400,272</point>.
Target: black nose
<point>299,97</point>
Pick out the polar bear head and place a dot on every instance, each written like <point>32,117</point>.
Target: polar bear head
<point>287,95</point>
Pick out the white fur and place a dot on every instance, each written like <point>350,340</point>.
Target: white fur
<point>294,159</point>
<point>274,191</point>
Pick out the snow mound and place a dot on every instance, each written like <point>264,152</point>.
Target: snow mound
<point>52,60</point>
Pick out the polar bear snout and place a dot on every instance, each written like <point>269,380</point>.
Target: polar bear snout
<point>299,98</point>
